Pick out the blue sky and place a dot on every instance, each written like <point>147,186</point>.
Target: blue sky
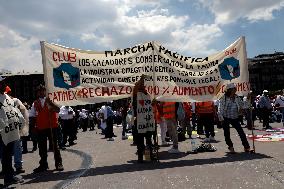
<point>190,27</point>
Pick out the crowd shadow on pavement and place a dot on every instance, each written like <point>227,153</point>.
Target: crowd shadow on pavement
<point>132,166</point>
<point>164,155</point>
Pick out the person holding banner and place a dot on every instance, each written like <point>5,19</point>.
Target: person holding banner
<point>143,118</point>
<point>229,109</point>
<point>46,124</point>
<point>11,122</point>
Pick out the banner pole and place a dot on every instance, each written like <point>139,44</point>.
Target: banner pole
<point>252,122</point>
<point>44,65</point>
<point>250,106</point>
<point>46,87</point>
<point>156,127</point>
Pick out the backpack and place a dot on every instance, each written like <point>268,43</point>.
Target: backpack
<point>206,147</point>
<point>180,112</point>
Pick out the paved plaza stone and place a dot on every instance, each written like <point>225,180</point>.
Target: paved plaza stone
<point>97,163</point>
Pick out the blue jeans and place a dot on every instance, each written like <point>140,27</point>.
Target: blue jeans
<point>124,125</point>
<point>7,152</point>
<point>236,124</point>
<point>18,160</point>
<point>282,111</point>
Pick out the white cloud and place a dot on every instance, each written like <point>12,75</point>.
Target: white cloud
<point>195,39</point>
<point>17,52</point>
<point>253,10</point>
<point>101,25</point>
<point>151,22</point>
<point>104,41</point>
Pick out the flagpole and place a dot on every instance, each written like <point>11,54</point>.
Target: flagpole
<point>46,88</point>
<point>154,120</point>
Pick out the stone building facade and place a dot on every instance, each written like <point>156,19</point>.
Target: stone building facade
<point>266,71</point>
<point>23,85</point>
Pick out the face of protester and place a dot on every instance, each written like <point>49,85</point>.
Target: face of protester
<point>141,84</point>
<point>232,91</point>
<point>2,87</point>
<point>41,93</point>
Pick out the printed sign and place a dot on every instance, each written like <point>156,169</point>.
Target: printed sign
<point>11,120</point>
<point>275,137</point>
<point>145,115</point>
<point>77,77</point>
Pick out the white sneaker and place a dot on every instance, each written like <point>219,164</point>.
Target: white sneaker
<point>173,151</point>
<point>212,139</point>
<point>206,140</point>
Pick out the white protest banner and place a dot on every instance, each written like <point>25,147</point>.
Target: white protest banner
<point>77,77</point>
<point>182,78</point>
<point>145,115</point>
<point>11,120</point>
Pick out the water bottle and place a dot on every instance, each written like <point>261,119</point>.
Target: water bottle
<point>193,143</point>
<point>147,154</point>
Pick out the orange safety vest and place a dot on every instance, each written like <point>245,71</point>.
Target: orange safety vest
<point>45,118</point>
<point>205,107</point>
<point>169,110</point>
<point>156,114</point>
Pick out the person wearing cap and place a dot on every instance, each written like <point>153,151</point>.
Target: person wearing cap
<point>265,109</point>
<point>18,158</point>
<point>279,103</point>
<point>45,119</point>
<point>229,109</point>
<point>11,120</point>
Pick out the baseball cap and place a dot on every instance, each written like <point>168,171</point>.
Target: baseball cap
<point>8,90</point>
<point>230,86</point>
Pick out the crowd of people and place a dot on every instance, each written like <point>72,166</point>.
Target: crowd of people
<point>46,124</point>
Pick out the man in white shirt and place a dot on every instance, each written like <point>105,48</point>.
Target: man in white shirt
<point>108,119</point>
<point>66,116</point>
<point>84,119</point>
<point>265,108</point>
<point>279,103</point>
